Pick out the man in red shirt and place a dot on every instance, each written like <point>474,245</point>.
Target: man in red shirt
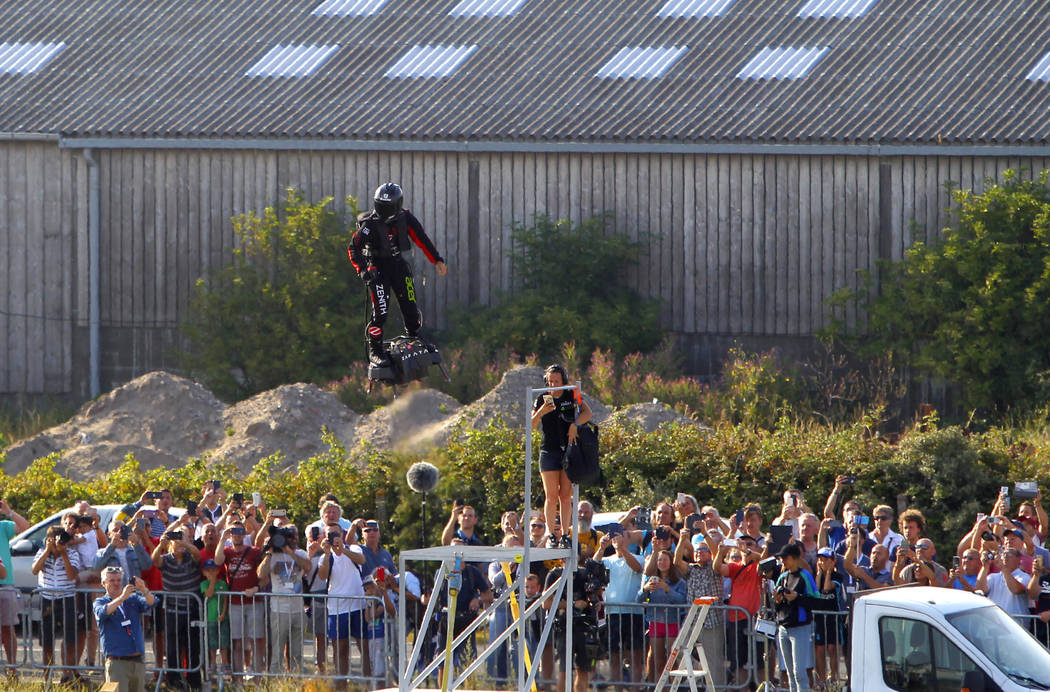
<point>247,614</point>
<point>745,593</point>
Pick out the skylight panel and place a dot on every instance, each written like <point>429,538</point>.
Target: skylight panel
<point>1041,71</point>
<point>782,63</point>
<point>486,8</point>
<point>694,8</point>
<point>348,8</point>
<point>637,62</point>
<point>430,61</point>
<point>291,61</point>
<point>836,9</point>
<point>26,58</point>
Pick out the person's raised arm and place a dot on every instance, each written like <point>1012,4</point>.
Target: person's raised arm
<point>1040,514</point>
<point>982,576</point>
<point>680,552</point>
<point>21,524</point>
<point>450,526</point>
<point>324,567</point>
<point>263,570</point>
<point>1016,587</point>
<point>41,560</point>
<point>158,552</point>
<point>719,565</point>
<point>833,498</point>
<point>1034,587</point>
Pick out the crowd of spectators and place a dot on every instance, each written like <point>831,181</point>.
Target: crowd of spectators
<point>254,577</point>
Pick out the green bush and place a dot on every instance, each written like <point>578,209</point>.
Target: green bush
<point>974,307</point>
<point>946,473</point>
<point>283,310</point>
<point>568,288</point>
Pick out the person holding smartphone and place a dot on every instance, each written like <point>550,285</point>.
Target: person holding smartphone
<point>179,563</point>
<point>118,614</point>
<point>125,551</point>
<point>247,613</point>
<point>556,412</point>
<point>1039,592</point>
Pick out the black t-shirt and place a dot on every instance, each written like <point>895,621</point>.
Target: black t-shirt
<point>556,423</point>
<point>1042,601</point>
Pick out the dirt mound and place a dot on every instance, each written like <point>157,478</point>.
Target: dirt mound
<point>652,415</point>
<point>414,421</point>
<point>288,419</point>
<point>506,399</point>
<point>163,419</point>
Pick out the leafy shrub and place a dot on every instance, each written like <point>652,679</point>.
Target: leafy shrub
<point>568,288</point>
<point>974,307</point>
<point>280,311</point>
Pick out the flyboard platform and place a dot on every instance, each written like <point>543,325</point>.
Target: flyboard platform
<point>410,360</point>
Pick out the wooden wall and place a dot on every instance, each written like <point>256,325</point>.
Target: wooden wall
<point>737,246</point>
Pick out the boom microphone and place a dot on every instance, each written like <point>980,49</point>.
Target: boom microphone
<point>422,477</point>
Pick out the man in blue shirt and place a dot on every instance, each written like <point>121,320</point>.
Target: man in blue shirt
<point>119,615</point>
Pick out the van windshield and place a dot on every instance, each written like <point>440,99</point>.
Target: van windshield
<point>1006,644</point>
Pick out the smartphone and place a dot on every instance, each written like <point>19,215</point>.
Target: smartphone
<point>279,512</point>
<point>238,498</point>
<point>681,498</point>
<point>150,513</point>
<point>256,499</point>
<point>548,399</point>
<point>643,518</point>
<point>315,533</point>
<point>956,562</point>
<point>794,501</point>
<point>849,480</point>
<point>174,535</point>
<point>140,524</point>
<point>459,502</point>
<point>238,531</point>
<point>729,543</point>
<point>905,546</point>
<point>155,494</point>
<point>125,532</point>
<point>739,517</point>
<point>216,485</point>
<point>380,574</point>
<point>1004,493</point>
<point>861,521</point>
<point>332,535</point>
<point>191,507</point>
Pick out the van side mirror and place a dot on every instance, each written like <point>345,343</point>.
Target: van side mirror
<point>23,547</point>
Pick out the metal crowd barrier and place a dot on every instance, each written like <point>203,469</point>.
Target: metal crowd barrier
<point>59,623</point>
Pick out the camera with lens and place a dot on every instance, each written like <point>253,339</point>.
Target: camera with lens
<point>590,578</point>
<point>64,537</point>
<point>279,537</point>
<point>769,568</point>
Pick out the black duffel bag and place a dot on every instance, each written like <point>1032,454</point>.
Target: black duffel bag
<point>582,465</point>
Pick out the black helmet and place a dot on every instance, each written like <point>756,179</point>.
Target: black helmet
<point>388,200</point>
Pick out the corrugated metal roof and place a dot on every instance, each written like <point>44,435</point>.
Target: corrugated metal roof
<point>906,71</point>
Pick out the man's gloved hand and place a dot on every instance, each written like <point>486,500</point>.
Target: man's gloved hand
<point>370,274</point>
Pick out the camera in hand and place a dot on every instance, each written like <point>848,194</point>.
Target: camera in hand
<point>125,531</point>
<point>692,522</point>
<point>769,568</point>
<point>279,537</point>
<point>663,533</point>
<point>987,536</point>
<point>64,537</point>
<point>332,535</point>
<point>849,480</point>
<point>593,576</point>
<point>173,535</point>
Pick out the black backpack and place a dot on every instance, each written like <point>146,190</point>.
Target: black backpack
<point>582,464</point>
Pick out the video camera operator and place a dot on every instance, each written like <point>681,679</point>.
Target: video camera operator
<point>283,565</point>
<point>588,586</point>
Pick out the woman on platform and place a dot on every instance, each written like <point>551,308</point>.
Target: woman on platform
<point>560,412</point>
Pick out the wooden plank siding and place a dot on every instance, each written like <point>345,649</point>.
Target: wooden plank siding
<point>736,246</point>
